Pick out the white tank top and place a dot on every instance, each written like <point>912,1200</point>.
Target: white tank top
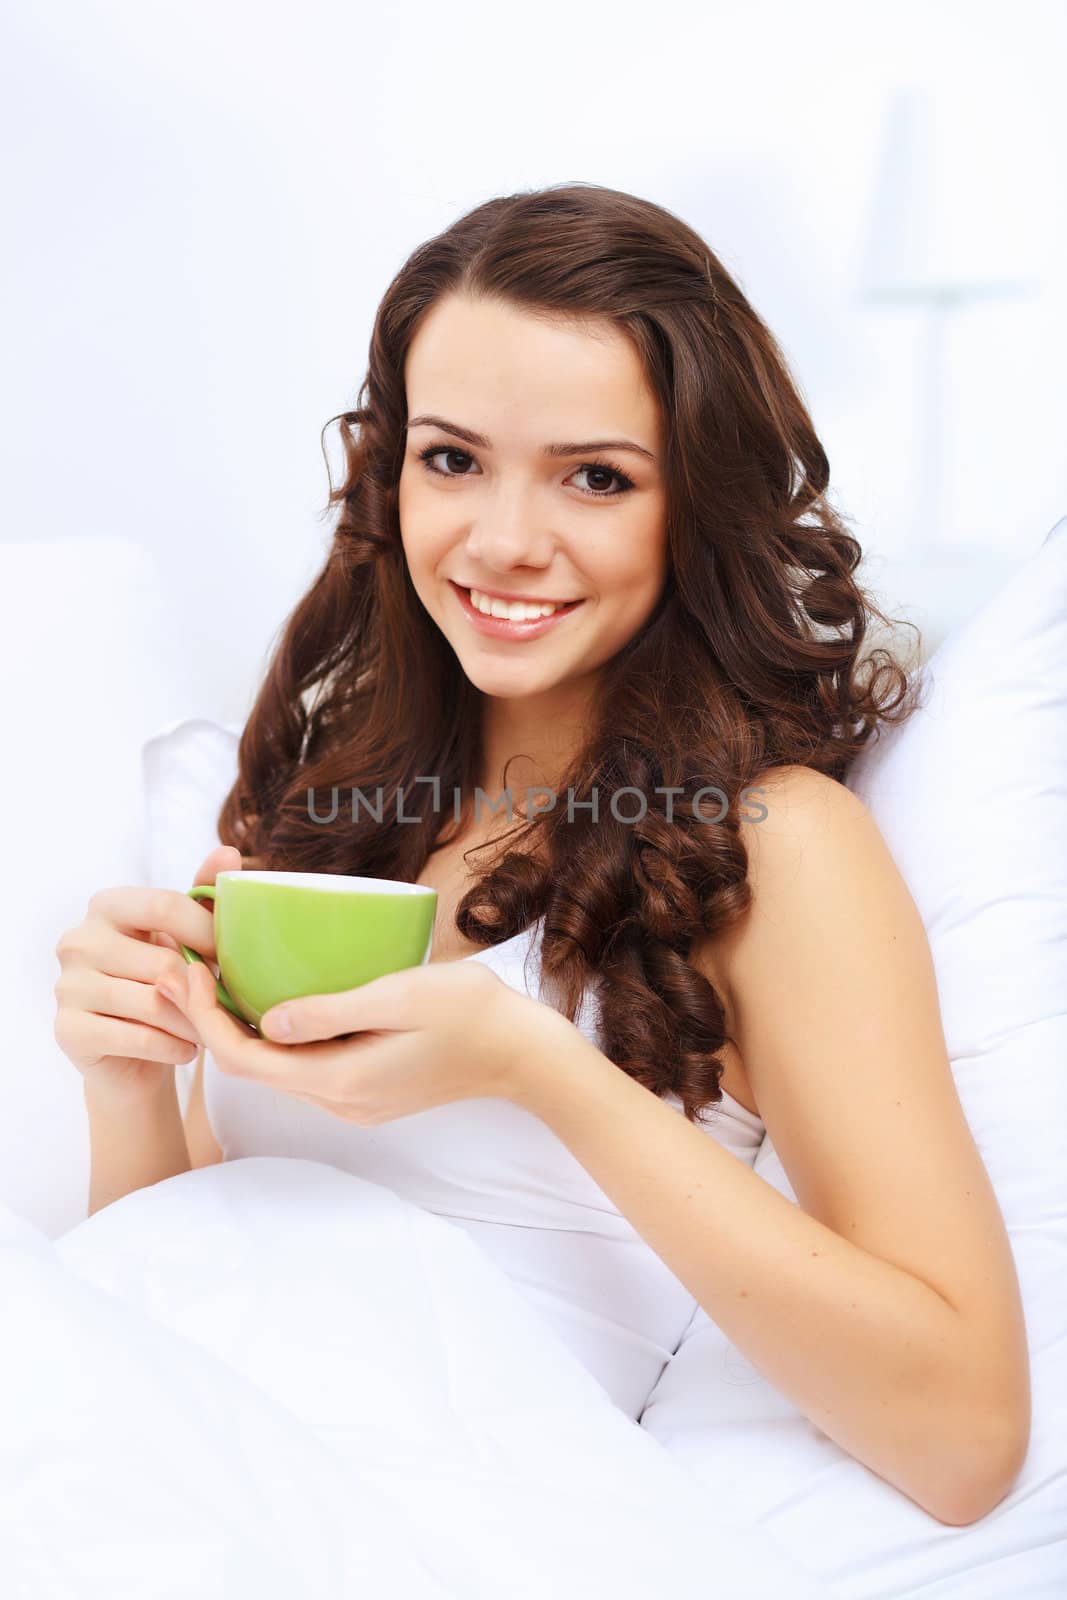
<point>497,1171</point>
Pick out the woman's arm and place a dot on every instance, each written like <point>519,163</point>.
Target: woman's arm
<point>204,1148</point>
<point>886,1305</point>
<point>134,1141</point>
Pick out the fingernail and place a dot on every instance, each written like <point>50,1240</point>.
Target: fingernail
<point>165,986</point>
<point>278,1024</point>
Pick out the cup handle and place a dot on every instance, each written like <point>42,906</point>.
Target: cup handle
<point>206,891</point>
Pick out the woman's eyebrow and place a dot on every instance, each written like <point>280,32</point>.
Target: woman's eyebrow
<point>426,420</point>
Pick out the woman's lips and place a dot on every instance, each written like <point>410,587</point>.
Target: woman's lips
<point>502,628</point>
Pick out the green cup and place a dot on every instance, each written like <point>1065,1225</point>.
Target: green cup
<point>280,935</point>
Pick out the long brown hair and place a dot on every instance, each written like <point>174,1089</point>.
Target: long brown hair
<point>753,659</point>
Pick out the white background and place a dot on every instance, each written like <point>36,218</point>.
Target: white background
<point>204,204</point>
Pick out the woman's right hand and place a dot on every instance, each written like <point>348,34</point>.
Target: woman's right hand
<point>123,1036</point>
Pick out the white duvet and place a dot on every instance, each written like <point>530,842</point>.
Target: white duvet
<point>272,1378</point>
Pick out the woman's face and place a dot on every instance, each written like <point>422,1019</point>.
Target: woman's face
<point>504,516</point>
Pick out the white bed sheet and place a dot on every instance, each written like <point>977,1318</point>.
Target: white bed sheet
<point>272,1378</point>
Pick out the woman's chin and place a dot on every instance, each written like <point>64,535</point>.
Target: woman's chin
<point>507,683</point>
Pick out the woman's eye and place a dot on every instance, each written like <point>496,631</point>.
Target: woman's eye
<point>600,472</point>
<point>428,455</point>
<point>608,473</point>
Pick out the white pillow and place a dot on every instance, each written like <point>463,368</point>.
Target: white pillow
<point>187,769</point>
<point>970,794</point>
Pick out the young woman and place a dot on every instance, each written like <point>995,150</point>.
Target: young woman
<point>585,561</point>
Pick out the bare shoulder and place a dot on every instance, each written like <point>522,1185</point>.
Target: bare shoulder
<point>803,830</point>
<point>792,801</point>
<point>790,816</point>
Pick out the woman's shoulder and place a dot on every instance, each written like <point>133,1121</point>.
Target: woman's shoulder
<point>809,826</point>
<point>791,784</point>
<point>790,802</point>
<point>802,830</point>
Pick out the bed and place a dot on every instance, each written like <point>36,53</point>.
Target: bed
<point>150,1440</point>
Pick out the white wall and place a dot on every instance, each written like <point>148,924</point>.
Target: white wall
<point>205,202</point>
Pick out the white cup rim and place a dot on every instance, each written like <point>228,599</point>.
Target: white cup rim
<point>328,882</point>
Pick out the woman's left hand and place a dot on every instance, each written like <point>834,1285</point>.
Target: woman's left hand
<point>427,1035</point>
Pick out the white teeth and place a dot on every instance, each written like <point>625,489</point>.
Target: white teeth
<point>513,611</point>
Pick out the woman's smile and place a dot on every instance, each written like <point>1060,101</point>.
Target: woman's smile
<point>509,626</point>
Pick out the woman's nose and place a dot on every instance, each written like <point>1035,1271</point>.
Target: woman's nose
<point>504,542</point>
